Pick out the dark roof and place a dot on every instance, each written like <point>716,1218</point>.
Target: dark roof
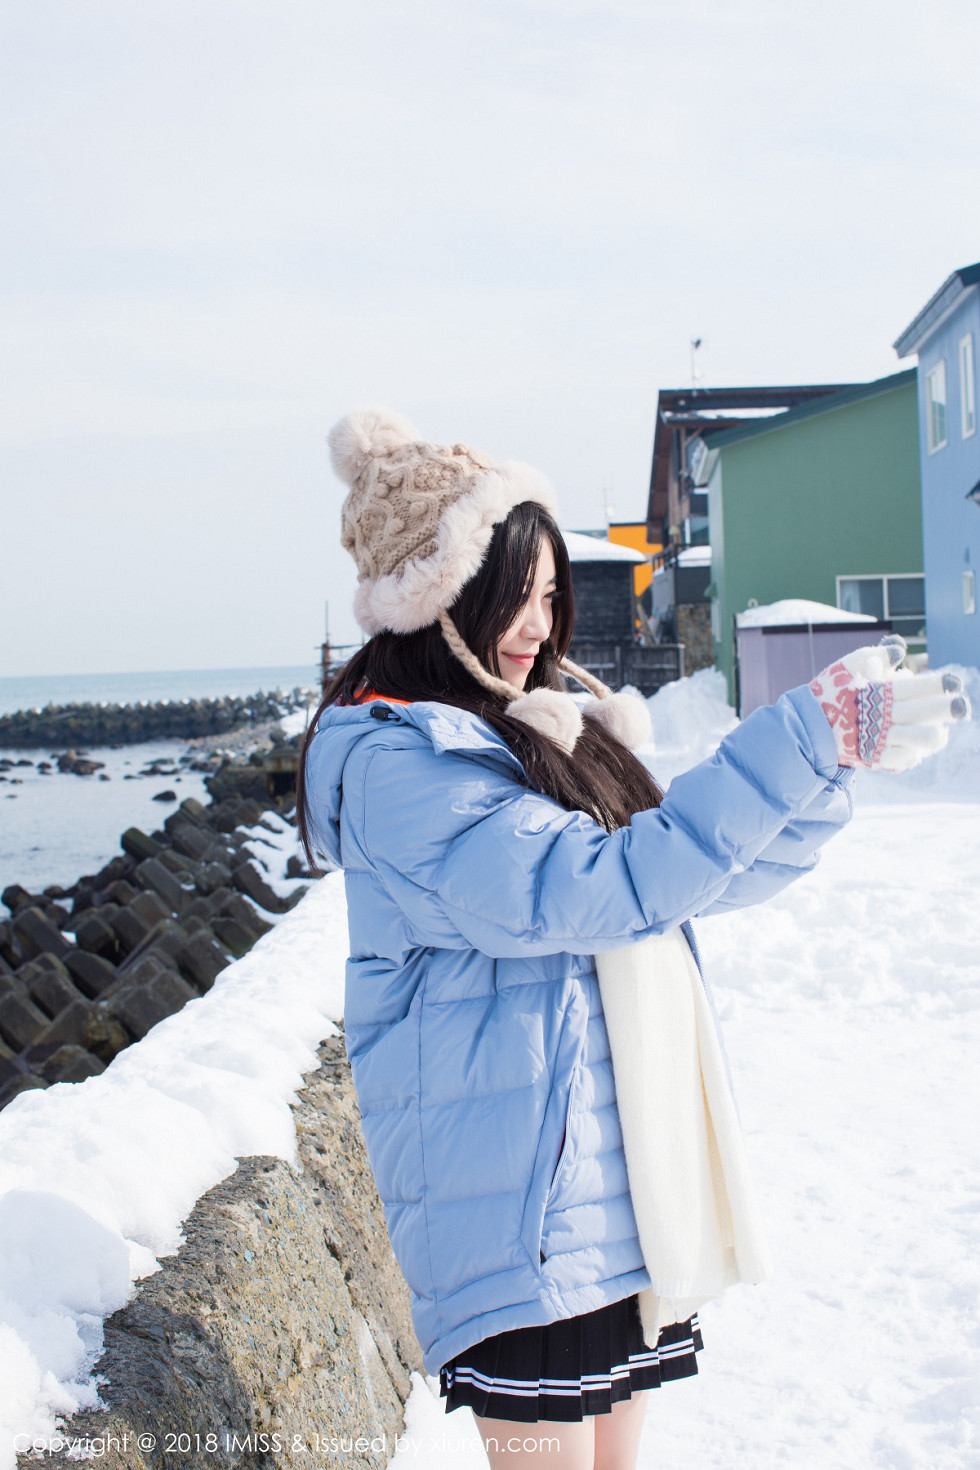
<point>936,308</point>
<point>690,407</point>
<point>851,394</point>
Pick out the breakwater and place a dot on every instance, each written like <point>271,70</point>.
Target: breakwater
<point>86,970</point>
<point>69,726</point>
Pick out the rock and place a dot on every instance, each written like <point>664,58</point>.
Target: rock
<point>150,996</point>
<point>130,929</point>
<point>192,841</point>
<point>139,845</point>
<point>164,939</point>
<point>83,767</point>
<point>236,940</point>
<point>167,795</point>
<point>153,874</point>
<point>248,880</point>
<point>177,864</point>
<point>296,868</point>
<point>91,973</point>
<point>70,1064</point>
<point>21,1082</point>
<point>89,1024</point>
<point>16,897</point>
<point>118,867</point>
<point>38,934</point>
<point>121,892</point>
<point>150,906</point>
<point>212,876</point>
<point>48,983</point>
<point>21,1022</point>
<point>13,950</point>
<point>201,959</point>
<point>94,933</point>
<point>239,908</point>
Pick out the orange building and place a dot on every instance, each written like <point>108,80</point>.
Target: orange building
<point>634,535</point>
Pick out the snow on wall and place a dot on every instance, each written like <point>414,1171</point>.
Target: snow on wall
<point>96,1177</point>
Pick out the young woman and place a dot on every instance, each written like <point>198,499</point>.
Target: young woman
<point>496,837</point>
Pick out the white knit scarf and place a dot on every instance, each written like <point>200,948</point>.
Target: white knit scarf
<point>698,1220</point>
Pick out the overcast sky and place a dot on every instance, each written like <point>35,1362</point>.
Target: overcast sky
<point>226,222</point>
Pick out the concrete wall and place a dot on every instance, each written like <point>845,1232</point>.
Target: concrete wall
<point>281,1327</point>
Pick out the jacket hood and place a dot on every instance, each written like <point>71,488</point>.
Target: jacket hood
<point>341,728</point>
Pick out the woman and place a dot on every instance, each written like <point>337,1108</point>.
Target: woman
<point>496,838</point>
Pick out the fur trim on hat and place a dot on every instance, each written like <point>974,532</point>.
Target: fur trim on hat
<point>362,435</point>
<point>622,715</point>
<point>551,713</point>
<point>413,597</point>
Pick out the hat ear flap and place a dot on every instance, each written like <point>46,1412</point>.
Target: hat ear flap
<point>623,716</point>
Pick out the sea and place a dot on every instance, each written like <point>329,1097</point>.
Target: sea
<point>56,827</point>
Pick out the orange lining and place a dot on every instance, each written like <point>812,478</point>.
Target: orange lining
<point>369,694</point>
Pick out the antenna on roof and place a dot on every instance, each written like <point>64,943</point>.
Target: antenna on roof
<point>695,370</point>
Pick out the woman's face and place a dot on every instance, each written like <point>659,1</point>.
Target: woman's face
<point>518,648</point>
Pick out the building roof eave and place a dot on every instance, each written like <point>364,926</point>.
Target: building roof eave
<point>939,305</point>
<point>854,393</point>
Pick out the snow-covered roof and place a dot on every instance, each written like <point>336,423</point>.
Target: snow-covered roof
<point>597,548</point>
<point>797,610</point>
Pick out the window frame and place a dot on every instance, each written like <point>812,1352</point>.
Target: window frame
<point>883,578</point>
<point>932,403</point>
<point>967,360</point>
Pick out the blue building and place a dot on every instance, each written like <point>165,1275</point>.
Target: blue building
<point>945,335</point>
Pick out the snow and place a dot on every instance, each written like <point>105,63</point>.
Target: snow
<point>597,548</point>
<point>793,610</point>
<point>851,1010</point>
<point>97,1177</point>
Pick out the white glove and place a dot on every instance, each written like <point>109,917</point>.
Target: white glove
<point>883,716</point>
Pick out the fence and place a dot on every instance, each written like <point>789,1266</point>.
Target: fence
<point>646,666</point>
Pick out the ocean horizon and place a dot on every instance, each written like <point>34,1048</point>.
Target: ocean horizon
<point>37,691</point>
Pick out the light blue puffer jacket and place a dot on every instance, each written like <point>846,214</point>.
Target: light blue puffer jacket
<point>472,1013</point>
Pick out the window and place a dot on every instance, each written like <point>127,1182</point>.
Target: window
<point>936,406</point>
<point>969,592</point>
<point>968,392</point>
<point>900,599</point>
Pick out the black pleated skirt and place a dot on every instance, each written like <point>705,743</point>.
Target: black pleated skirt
<point>570,1369</point>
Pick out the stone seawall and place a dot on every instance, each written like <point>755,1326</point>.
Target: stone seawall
<point>280,1335</point>
<point>60,727</point>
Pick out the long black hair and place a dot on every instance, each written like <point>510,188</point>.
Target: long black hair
<point>600,777</point>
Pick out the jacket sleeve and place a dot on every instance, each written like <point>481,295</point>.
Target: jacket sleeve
<point>474,859</point>
<point>793,851</point>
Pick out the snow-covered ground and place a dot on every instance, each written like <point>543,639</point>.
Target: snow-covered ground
<point>851,1009</point>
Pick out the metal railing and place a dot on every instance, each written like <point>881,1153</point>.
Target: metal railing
<point>648,667</point>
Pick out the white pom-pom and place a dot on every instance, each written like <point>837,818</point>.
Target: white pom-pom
<point>551,713</point>
<point>361,435</point>
<point>624,716</point>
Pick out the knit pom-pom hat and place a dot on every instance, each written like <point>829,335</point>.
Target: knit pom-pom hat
<point>417,520</point>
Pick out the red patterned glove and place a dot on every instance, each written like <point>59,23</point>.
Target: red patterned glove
<point>883,716</point>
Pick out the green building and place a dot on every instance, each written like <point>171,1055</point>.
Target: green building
<point>821,502</point>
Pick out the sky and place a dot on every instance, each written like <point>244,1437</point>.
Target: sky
<point>228,222</point>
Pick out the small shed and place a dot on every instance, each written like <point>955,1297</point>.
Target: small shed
<point>788,642</point>
<point>605,641</point>
<point>602,575</point>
